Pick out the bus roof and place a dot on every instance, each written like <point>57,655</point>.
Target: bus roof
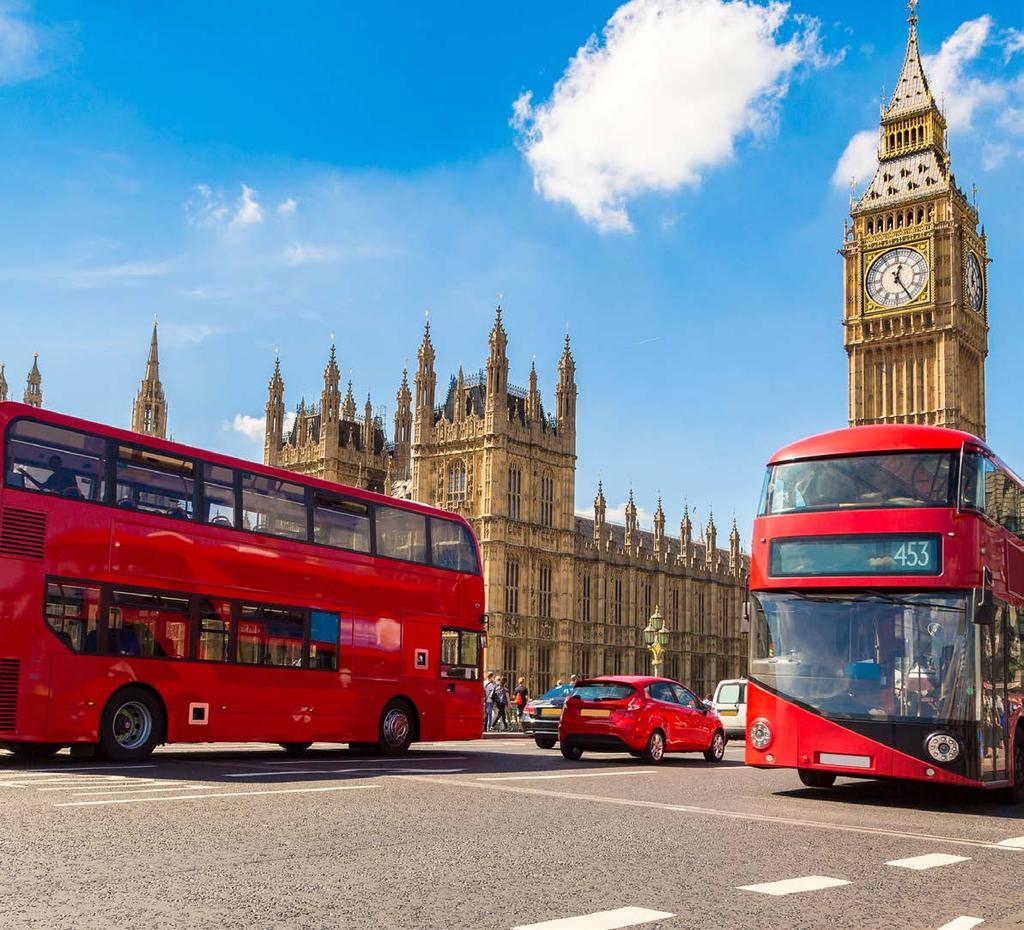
<point>9,410</point>
<point>859,440</point>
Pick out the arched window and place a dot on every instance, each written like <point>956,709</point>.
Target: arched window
<point>871,227</point>
<point>515,490</point>
<point>456,483</point>
<point>547,498</point>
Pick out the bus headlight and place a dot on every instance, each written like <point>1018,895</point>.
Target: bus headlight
<point>760,734</point>
<point>942,747</point>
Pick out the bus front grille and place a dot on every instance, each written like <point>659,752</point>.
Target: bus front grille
<point>22,533</point>
<point>8,693</point>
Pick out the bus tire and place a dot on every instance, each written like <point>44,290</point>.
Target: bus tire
<point>814,778</point>
<point>397,725</point>
<point>131,725</point>
<point>1015,793</point>
<point>32,750</point>
<point>295,749</point>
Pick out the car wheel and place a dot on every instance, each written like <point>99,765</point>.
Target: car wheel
<point>545,742</point>
<point>1015,793</point>
<point>33,750</point>
<point>815,779</point>
<point>716,751</point>
<point>396,728</point>
<point>295,749</point>
<point>654,752</point>
<point>131,726</point>
<point>572,753</point>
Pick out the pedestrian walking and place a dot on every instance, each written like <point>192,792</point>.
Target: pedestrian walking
<point>488,700</point>
<point>520,698</point>
<point>500,699</point>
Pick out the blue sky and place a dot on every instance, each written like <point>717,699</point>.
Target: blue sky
<point>675,196</point>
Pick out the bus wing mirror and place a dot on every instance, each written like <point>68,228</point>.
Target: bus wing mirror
<point>984,602</point>
<point>745,616</point>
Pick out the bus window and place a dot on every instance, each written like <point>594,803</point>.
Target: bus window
<point>58,461</point>
<point>148,625</point>
<point>270,636</point>
<point>154,482</point>
<point>218,495</point>
<point>272,506</point>
<point>401,534</point>
<point>460,654</point>
<point>214,631</point>
<point>323,641</point>
<point>73,612</point>
<point>345,524</point>
<point>452,546</point>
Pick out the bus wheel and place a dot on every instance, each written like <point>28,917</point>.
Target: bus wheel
<point>33,750</point>
<point>295,749</point>
<point>1015,793</point>
<point>131,725</point>
<point>815,779</point>
<point>396,728</point>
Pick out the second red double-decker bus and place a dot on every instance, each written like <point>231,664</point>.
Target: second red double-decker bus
<point>887,589</point>
<point>150,592</point>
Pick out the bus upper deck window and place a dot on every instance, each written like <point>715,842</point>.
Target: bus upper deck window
<point>54,460</point>
<point>452,546</point>
<point>154,482</point>
<point>401,534</point>
<point>218,495</point>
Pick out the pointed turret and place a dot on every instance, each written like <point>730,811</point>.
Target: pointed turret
<point>735,562</point>
<point>711,541</point>
<point>426,381</point>
<point>565,393</point>
<point>659,528</point>
<point>403,429</point>
<point>3,383</point>
<point>330,399</point>
<point>34,385</point>
<point>348,410</point>
<point>149,411</point>
<point>459,398</point>
<point>686,537</point>
<point>368,424</point>
<point>274,429</point>
<point>301,423</point>
<point>533,396</point>
<point>632,529</point>
<point>496,401</point>
<point>912,92</point>
<point>600,508</point>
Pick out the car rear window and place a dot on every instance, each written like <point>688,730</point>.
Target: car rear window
<point>603,691</point>
<point>732,693</point>
<point>556,693</point>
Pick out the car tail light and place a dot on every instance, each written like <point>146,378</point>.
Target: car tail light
<point>529,710</point>
<point>636,703</point>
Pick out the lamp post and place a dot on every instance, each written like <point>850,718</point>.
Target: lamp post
<point>656,639</point>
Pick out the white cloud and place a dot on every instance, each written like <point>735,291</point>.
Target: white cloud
<point>248,212</point>
<point>95,277</point>
<point>287,206</point>
<point>961,95</point>
<point>305,254</point>
<point>994,154</point>
<point>859,160</point>
<point>1013,42</point>
<point>1012,120</point>
<point>663,95</point>
<point>189,333</point>
<point>618,515</point>
<point>19,50</point>
<point>255,428</point>
<point>205,207</point>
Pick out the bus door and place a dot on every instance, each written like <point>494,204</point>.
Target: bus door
<point>461,672</point>
<point>994,707</point>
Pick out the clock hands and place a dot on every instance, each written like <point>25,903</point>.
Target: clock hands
<point>896,276</point>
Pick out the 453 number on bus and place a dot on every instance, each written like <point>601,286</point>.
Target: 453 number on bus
<point>913,554</point>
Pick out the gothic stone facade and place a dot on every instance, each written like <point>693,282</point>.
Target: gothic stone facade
<point>916,314</point>
<point>564,594</point>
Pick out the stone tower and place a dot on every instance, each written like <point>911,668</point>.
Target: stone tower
<point>149,411</point>
<point>34,385</point>
<point>915,274</point>
<point>3,383</point>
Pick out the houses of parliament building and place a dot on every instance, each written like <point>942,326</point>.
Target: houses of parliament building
<point>569,593</point>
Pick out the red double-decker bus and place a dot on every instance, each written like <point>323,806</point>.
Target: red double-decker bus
<point>887,610</point>
<point>152,593</point>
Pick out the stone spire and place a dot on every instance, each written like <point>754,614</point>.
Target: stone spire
<point>686,537</point>
<point>532,395</point>
<point>403,430</point>
<point>34,385</point>
<point>912,92</point>
<point>301,423</point>
<point>426,381</point>
<point>600,507</point>
<point>711,541</point>
<point>632,533</point>
<point>330,399</point>
<point>149,411</point>
<point>348,411</point>
<point>459,398</point>
<point>3,383</point>
<point>659,528</point>
<point>368,425</point>
<point>274,430</point>
<point>565,392</point>
<point>734,549</point>
<point>496,403</point>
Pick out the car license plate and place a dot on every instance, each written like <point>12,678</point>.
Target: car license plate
<point>724,712</point>
<point>551,712</point>
<point>590,712</point>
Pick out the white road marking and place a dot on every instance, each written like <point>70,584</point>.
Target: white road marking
<point>57,769</point>
<point>573,774</point>
<point>602,920</point>
<point>708,812</point>
<point>171,787</point>
<point>349,771</point>
<point>963,923</point>
<point>1015,842</point>
<point>929,861</point>
<point>103,784</point>
<point>222,794</point>
<point>377,760</point>
<point>795,885</point>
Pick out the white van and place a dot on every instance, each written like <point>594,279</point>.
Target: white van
<point>730,703</point>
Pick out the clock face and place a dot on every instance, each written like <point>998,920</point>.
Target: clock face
<point>973,282</point>
<point>897,277</point>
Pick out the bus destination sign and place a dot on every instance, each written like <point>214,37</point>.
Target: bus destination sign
<point>807,556</point>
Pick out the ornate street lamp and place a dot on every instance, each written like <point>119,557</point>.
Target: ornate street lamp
<point>656,639</point>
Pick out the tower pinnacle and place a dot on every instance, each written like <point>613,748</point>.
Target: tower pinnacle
<point>149,411</point>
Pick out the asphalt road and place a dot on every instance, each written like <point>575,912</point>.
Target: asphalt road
<point>493,834</point>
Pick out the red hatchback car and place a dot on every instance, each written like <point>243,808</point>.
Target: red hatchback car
<point>643,716</point>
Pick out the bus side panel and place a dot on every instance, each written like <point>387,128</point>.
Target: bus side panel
<point>25,678</point>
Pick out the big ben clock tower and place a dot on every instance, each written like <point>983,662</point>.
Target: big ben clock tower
<point>915,274</point>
